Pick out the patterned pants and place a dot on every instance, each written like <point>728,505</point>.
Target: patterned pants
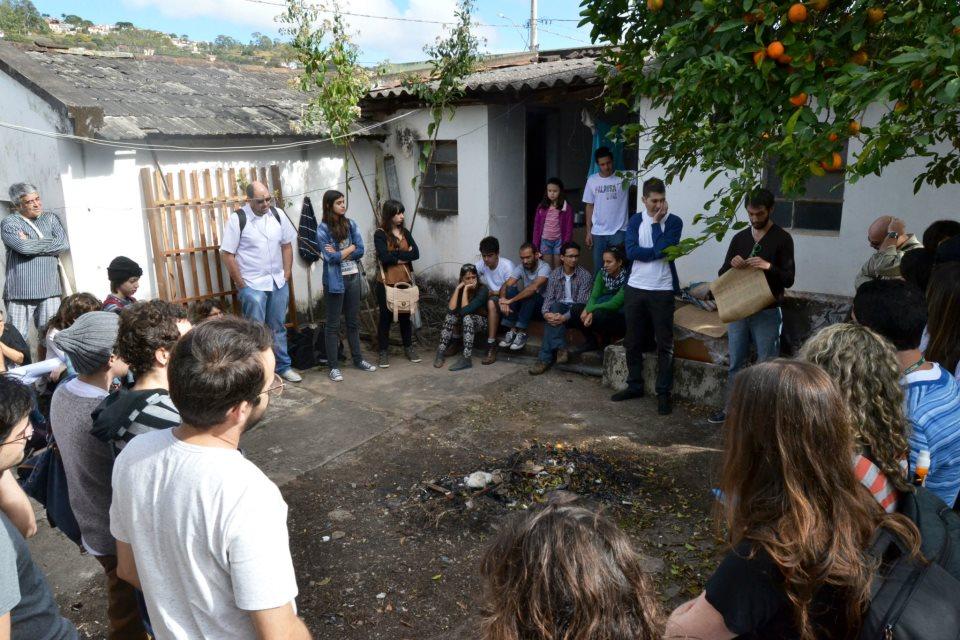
<point>19,312</point>
<point>472,325</point>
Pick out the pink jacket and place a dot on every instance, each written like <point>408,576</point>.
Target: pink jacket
<point>566,224</point>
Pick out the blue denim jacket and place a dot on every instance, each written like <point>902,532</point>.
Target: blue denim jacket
<point>332,278</point>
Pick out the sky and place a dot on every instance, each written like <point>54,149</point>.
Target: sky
<point>378,39</point>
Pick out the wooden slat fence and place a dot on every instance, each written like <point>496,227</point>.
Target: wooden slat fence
<point>186,213</point>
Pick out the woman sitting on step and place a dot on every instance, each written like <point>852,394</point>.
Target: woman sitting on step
<point>468,305</point>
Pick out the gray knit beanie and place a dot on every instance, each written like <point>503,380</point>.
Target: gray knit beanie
<point>89,341</point>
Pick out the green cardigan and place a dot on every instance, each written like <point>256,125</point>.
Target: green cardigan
<point>614,301</point>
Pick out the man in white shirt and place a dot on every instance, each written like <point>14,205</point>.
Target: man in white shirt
<point>606,202</point>
<point>200,529</point>
<point>648,299</point>
<point>257,248</point>
<point>494,271</point>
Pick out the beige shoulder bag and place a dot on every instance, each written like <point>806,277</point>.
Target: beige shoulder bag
<point>402,297</point>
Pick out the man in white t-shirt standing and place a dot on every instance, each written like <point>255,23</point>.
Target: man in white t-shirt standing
<point>493,271</point>
<point>648,299</point>
<point>200,529</point>
<point>606,202</point>
<point>257,248</point>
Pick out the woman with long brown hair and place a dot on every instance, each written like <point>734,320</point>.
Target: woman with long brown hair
<point>341,247</point>
<point>797,520</point>
<point>864,365</point>
<point>943,317</point>
<point>565,572</point>
<point>396,251</point>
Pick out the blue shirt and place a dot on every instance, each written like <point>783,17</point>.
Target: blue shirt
<point>932,405</point>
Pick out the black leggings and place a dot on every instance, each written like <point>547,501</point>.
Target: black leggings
<point>386,318</point>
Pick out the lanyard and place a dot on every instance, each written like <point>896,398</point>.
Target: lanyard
<point>916,365</point>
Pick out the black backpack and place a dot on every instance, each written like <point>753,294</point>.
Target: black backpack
<point>913,599</point>
<point>242,218</point>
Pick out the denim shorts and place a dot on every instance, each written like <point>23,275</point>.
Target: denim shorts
<point>550,247</point>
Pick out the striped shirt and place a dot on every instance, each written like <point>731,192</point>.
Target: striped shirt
<point>876,482</point>
<point>932,404</point>
<point>32,262</point>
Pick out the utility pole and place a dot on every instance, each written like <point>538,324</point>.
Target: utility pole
<point>534,45</point>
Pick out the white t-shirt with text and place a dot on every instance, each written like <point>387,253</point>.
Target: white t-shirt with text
<point>654,275</point>
<point>209,536</point>
<point>609,199</point>
<point>494,278</point>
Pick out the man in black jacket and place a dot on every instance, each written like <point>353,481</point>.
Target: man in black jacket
<point>765,246</point>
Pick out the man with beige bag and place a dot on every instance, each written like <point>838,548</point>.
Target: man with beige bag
<point>35,239</point>
<point>762,247</point>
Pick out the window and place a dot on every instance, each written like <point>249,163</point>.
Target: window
<point>440,180</point>
<point>820,206</point>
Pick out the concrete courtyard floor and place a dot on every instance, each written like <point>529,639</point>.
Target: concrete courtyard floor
<point>380,555</point>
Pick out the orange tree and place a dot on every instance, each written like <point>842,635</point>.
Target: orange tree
<point>738,82</point>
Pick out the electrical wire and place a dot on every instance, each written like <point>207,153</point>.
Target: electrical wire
<point>137,146</point>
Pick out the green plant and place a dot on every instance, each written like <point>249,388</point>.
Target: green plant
<point>452,58</point>
<point>723,108</point>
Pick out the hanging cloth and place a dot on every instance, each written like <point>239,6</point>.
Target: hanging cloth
<point>307,233</point>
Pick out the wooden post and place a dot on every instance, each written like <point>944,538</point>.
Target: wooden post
<point>150,205</point>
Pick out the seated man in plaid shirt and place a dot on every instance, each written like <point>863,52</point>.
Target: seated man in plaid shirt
<point>568,290</point>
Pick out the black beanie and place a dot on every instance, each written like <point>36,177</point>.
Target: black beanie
<point>122,269</point>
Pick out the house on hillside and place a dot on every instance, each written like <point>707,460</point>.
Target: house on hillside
<point>94,132</point>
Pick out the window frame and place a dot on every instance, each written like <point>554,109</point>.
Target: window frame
<point>772,182</point>
<point>432,189</point>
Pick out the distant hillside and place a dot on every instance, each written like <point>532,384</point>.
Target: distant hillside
<point>21,22</point>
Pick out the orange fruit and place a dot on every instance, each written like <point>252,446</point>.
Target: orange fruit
<point>799,100</point>
<point>916,84</point>
<point>829,62</point>
<point>832,137</point>
<point>820,5</point>
<point>901,106</point>
<point>875,15</point>
<point>775,49</point>
<point>797,13</point>
<point>834,164</point>
<point>956,31</point>
<point>765,135</point>
<point>758,57</point>
<point>785,59</point>
<point>854,128</point>
<point>860,58</point>
<point>654,5</point>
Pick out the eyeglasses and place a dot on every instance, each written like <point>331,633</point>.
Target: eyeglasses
<point>567,255</point>
<point>266,200</point>
<point>756,250</point>
<point>275,389</point>
<point>26,203</point>
<point>26,434</point>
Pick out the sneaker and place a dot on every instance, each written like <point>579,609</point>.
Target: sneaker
<point>664,404</point>
<point>539,367</point>
<point>412,354</point>
<point>460,364</point>
<point>291,376</point>
<point>438,359</point>
<point>491,356</point>
<point>519,342</point>
<point>335,375</point>
<point>363,365</point>
<point>626,394</point>
<point>508,339</point>
<point>563,356</point>
<point>717,418</point>
<point>384,360</point>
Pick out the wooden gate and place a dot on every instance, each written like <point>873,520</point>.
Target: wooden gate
<point>186,215</point>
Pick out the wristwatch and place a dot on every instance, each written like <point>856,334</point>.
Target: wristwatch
<point>893,234</point>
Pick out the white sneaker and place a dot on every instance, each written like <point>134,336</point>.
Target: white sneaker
<point>335,375</point>
<point>508,339</point>
<point>291,376</point>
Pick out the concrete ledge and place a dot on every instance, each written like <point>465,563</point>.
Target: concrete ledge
<point>694,381</point>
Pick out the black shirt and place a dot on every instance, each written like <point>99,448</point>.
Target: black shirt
<point>776,247</point>
<point>748,593</point>
<point>12,338</point>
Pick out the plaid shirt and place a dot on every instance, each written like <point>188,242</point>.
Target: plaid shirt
<point>580,287</point>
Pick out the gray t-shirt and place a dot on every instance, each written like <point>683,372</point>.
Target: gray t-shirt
<point>526,278</point>
<point>87,461</point>
<point>209,535</point>
<point>24,592</point>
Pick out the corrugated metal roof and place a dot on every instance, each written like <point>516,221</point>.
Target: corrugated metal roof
<point>142,96</point>
<point>580,71</point>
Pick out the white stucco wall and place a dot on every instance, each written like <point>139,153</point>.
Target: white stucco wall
<point>446,243</point>
<point>105,207</point>
<point>506,140</point>
<point>827,262</point>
